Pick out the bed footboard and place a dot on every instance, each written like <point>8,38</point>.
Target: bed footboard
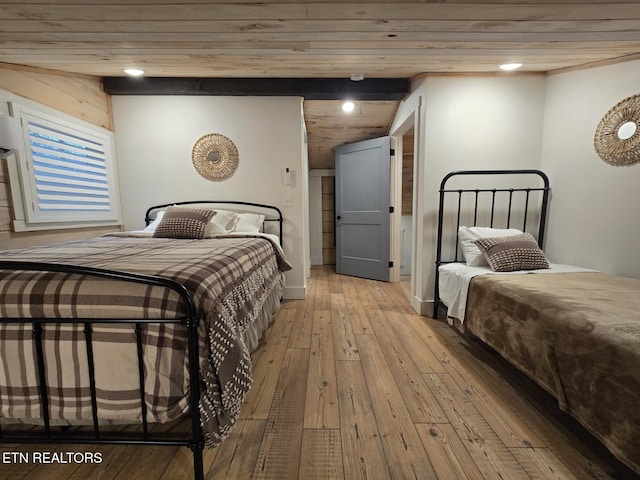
<point>96,433</point>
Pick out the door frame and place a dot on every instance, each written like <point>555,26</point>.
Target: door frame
<point>411,120</point>
<point>395,230</point>
<point>396,199</point>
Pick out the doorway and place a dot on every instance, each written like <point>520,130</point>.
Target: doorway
<point>404,197</point>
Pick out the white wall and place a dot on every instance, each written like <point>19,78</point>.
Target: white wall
<point>154,138</point>
<point>594,218</point>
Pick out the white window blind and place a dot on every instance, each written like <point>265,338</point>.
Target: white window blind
<point>70,172</point>
<point>67,173</point>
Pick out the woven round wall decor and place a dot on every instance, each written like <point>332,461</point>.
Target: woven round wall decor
<point>617,138</point>
<point>215,157</point>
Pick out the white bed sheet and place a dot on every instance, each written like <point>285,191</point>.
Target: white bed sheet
<point>454,279</point>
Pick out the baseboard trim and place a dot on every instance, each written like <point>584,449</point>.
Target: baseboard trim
<point>295,293</point>
<point>423,307</point>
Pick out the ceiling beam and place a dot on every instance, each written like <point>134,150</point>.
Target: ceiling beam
<point>310,88</point>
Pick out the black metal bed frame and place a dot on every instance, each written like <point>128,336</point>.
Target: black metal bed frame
<point>485,198</point>
<point>277,218</point>
<point>93,434</point>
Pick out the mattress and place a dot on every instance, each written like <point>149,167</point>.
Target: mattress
<point>454,279</point>
<point>236,284</point>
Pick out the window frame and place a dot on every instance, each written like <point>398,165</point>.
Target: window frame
<point>30,212</point>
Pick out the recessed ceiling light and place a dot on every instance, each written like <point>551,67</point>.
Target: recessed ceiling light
<point>134,72</point>
<point>510,66</point>
<point>357,77</point>
<point>348,106</point>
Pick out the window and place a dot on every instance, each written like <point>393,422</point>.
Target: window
<point>65,170</point>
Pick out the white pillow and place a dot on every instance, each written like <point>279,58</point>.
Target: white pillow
<point>222,222</point>
<point>152,226</point>
<point>466,236</point>
<point>249,222</point>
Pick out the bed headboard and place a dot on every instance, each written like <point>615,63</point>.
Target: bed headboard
<point>273,215</point>
<point>488,198</point>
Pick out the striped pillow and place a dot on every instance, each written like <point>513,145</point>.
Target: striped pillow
<point>182,222</point>
<point>517,252</point>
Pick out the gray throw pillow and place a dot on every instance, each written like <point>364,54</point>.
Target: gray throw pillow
<point>182,222</point>
<point>517,252</point>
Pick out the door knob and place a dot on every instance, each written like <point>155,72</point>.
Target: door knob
<point>338,217</point>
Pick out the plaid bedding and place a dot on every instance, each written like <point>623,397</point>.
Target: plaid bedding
<point>231,280</point>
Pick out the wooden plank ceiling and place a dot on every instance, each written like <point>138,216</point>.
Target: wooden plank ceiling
<point>319,39</point>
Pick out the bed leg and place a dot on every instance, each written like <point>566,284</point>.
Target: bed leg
<point>197,440</point>
<point>198,467</point>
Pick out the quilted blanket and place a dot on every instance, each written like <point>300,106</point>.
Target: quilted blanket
<point>578,336</point>
<point>232,281</point>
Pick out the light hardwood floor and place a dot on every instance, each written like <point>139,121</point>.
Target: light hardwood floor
<point>352,384</point>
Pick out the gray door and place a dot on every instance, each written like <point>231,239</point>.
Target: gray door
<point>362,208</point>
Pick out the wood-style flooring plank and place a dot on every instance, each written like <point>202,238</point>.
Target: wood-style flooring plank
<point>447,453</point>
<point>146,462</point>
<point>321,399</point>
<point>361,441</point>
<point>418,399</point>
<point>343,336</point>
<point>399,293</point>
<point>113,457</point>
<point>301,329</point>
<point>357,313</point>
<point>321,296</point>
<point>181,465</point>
<point>491,456</point>
<point>321,457</point>
<point>367,297</point>
<point>542,464</point>
<point>430,337</point>
<point>503,418</point>
<point>378,292</point>
<point>416,343</point>
<point>279,453</point>
<point>406,457</point>
<point>267,367</point>
<point>236,456</point>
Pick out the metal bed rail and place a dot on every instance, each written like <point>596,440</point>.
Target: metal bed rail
<point>276,215</point>
<point>93,434</point>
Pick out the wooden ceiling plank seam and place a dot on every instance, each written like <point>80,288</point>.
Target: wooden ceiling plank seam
<point>177,40</point>
<point>260,27</point>
<point>453,50</point>
<point>492,11</point>
<point>143,12</point>
<point>222,2</point>
<point>321,11</point>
